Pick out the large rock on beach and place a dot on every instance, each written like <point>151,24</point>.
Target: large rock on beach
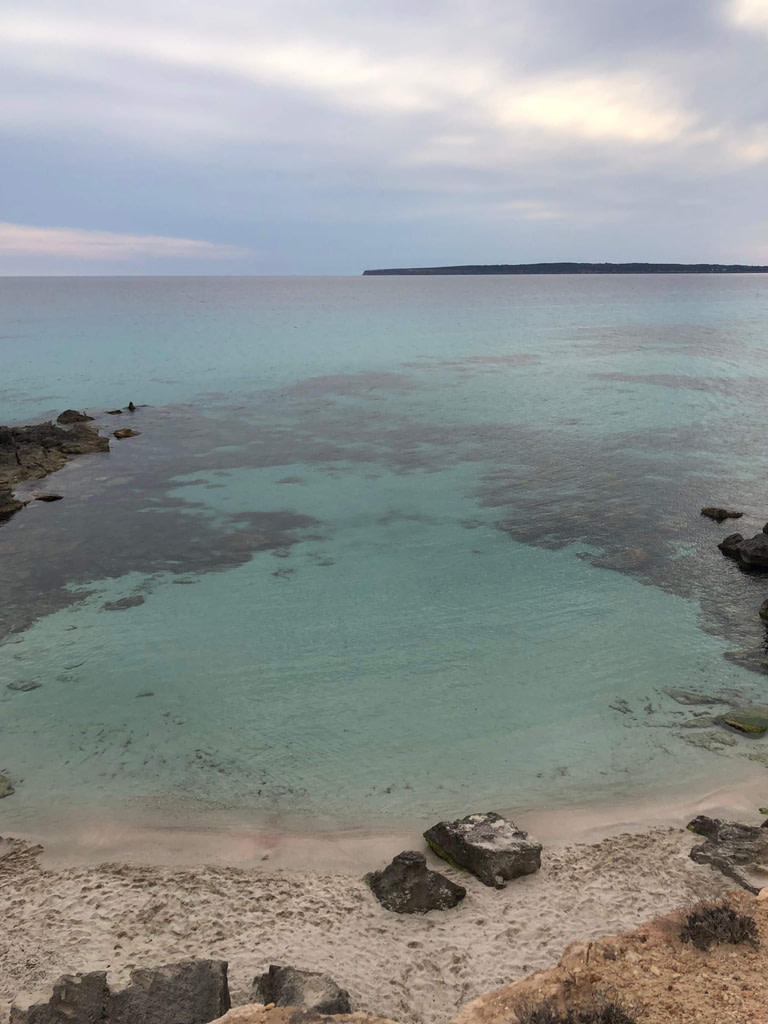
<point>719,514</point>
<point>187,992</point>
<point>76,999</point>
<point>739,851</point>
<point>307,990</point>
<point>490,846</point>
<point>407,886</point>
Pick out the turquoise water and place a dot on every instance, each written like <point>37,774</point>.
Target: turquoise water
<point>395,547</point>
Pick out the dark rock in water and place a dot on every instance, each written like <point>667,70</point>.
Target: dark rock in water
<point>490,846</point>
<point>754,551</point>
<point>24,686</point>
<point>48,497</point>
<point>122,603</point>
<point>308,990</point>
<point>739,851</point>
<point>114,412</point>
<point>125,432</point>
<point>763,610</point>
<point>6,789</point>
<point>187,992</point>
<point>719,514</point>
<point>407,886</point>
<point>76,999</point>
<point>730,546</point>
<point>35,451</point>
<point>765,528</point>
<point>131,407</point>
<point>752,720</point>
<point>73,416</point>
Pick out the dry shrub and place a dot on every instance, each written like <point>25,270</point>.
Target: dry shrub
<point>550,1013</point>
<point>711,923</point>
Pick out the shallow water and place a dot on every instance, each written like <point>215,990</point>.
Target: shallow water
<point>391,547</point>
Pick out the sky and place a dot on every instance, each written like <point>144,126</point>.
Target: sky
<point>330,136</point>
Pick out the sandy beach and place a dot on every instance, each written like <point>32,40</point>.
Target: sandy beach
<point>115,916</point>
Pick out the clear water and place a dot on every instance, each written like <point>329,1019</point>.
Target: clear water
<point>404,547</point>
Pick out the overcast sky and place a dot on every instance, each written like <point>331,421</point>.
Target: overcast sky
<point>327,136</point>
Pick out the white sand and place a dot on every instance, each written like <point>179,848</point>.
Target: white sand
<point>411,969</point>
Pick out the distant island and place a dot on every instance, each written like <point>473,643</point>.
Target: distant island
<point>579,268</point>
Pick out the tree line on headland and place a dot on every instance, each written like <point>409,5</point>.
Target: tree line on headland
<point>578,268</point>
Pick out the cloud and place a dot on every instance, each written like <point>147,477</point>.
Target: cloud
<point>749,14</point>
<point>79,244</point>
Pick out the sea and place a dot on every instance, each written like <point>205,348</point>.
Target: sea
<point>384,549</point>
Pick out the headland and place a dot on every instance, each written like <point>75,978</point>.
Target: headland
<point>574,268</point>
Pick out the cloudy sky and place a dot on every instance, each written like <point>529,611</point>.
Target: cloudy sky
<point>326,136</point>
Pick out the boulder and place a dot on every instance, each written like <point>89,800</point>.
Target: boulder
<point>125,432</point>
<point>739,851</point>
<point>752,720</point>
<point>754,550</point>
<point>307,990</point>
<point>719,514</point>
<point>187,992</point>
<point>48,497</point>
<point>407,886</point>
<point>76,999</point>
<point>730,546</point>
<point>73,416</point>
<point>492,847</point>
<point>6,789</point>
<point>763,610</point>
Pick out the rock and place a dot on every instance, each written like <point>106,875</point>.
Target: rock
<point>73,416</point>
<point>76,999</point>
<point>490,846</point>
<point>114,412</point>
<point>754,551</point>
<point>765,528</point>
<point>35,451</point>
<point>187,992</point>
<point>719,514</point>
<point>6,789</point>
<point>125,432</point>
<point>48,497</point>
<point>24,686</point>
<point>763,611</point>
<point>256,1013</point>
<point>739,851</point>
<point>731,544</point>
<point>308,990</point>
<point>752,720</point>
<point>407,886</point>
<point>131,407</point>
<point>123,603</point>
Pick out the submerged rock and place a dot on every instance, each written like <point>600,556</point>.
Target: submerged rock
<point>24,686</point>
<point>48,497</point>
<point>123,603</point>
<point>739,851</point>
<point>6,789</point>
<point>407,886</point>
<point>490,846</point>
<point>125,432</point>
<point>752,720</point>
<point>719,514</point>
<point>187,992</point>
<point>73,416</point>
<point>76,999</point>
<point>308,990</point>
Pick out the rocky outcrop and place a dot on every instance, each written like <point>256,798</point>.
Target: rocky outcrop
<point>307,990</point>
<point>407,886</point>
<point>76,999</point>
<point>29,453</point>
<point>490,846</point>
<point>739,851</point>
<point>754,550</point>
<point>730,545</point>
<point>191,991</point>
<point>719,514</point>
<point>73,416</point>
<point>751,720</point>
<point>188,992</point>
